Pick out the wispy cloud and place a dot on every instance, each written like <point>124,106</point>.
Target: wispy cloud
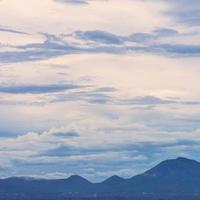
<point>99,36</point>
<point>73,1</point>
<point>36,89</point>
<point>3,29</point>
<point>102,42</point>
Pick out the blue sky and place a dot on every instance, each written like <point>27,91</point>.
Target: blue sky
<point>97,87</point>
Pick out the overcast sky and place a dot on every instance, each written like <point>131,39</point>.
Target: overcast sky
<point>97,87</point>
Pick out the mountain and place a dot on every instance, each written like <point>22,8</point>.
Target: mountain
<point>113,180</point>
<point>179,166</point>
<point>171,179</point>
<point>178,177</point>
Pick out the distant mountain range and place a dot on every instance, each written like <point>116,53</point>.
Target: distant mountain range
<point>171,179</point>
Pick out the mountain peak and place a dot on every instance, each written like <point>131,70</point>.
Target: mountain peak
<point>176,166</point>
<point>113,179</point>
<point>76,179</point>
<point>183,159</point>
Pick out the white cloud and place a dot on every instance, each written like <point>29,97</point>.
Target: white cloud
<point>102,15</point>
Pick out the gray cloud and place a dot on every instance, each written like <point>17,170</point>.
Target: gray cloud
<point>147,100</point>
<point>165,32</point>
<point>142,37</point>
<point>186,11</point>
<point>68,134</point>
<point>36,89</point>
<point>76,2</point>
<point>103,42</point>
<point>150,37</point>
<point>175,50</point>
<point>99,36</point>
<point>2,29</point>
<point>105,96</point>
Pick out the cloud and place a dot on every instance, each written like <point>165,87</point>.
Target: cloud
<point>102,42</point>
<point>68,134</point>
<point>98,41</point>
<point>36,89</point>
<point>132,99</point>
<point>76,2</point>
<point>105,96</point>
<point>157,34</point>
<point>62,151</point>
<point>99,36</point>
<point>147,100</point>
<point>2,29</point>
<point>185,11</point>
<point>142,37</point>
<point>138,138</point>
<point>165,32</point>
<point>179,50</point>
<point>52,175</point>
<point>43,151</point>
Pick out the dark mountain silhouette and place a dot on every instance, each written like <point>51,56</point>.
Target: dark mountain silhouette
<point>113,180</point>
<point>171,179</point>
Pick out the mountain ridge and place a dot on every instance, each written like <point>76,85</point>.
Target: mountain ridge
<point>169,179</point>
<point>73,176</point>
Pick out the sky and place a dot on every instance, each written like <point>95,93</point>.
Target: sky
<point>97,87</point>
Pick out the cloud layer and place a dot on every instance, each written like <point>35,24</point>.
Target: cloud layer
<point>97,88</point>
<point>104,42</point>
